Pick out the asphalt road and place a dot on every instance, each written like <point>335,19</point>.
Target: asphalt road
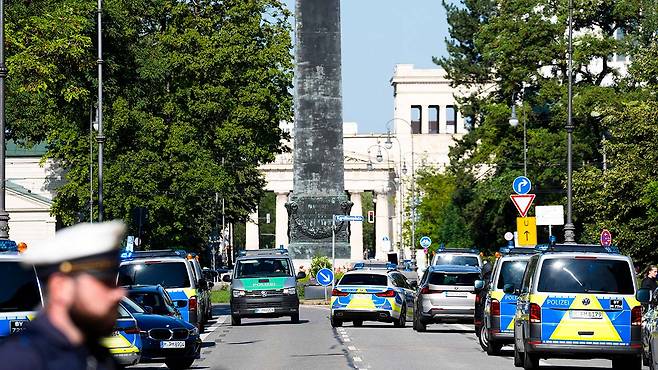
<point>314,344</point>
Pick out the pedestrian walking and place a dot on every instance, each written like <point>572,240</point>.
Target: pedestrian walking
<point>78,271</point>
<point>649,280</point>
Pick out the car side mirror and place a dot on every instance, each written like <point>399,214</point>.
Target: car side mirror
<point>181,303</point>
<point>300,275</point>
<point>203,284</point>
<point>644,295</point>
<point>148,309</point>
<point>413,284</point>
<point>509,288</point>
<point>479,284</point>
<point>226,279</point>
<point>211,284</point>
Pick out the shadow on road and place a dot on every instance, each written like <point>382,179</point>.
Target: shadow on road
<point>244,342</point>
<point>448,331</point>
<point>262,323</point>
<point>221,309</point>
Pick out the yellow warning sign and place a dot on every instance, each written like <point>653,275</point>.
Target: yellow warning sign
<point>527,230</point>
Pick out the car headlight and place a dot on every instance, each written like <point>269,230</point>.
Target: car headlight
<point>238,293</point>
<point>290,291</point>
<point>194,332</point>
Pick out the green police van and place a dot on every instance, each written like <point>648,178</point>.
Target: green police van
<point>264,284</point>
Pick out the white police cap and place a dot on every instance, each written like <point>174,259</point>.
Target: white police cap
<point>78,242</point>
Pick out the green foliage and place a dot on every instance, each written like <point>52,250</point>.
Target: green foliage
<point>318,263</point>
<point>194,93</point>
<point>515,53</point>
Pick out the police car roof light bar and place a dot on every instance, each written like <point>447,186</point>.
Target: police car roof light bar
<point>585,248</point>
<point>263,252</point>
<point>513,250</point>
<point>457,250</point>
<point>153,254</point>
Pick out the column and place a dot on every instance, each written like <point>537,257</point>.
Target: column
<point>382,230</point>
<point>252,234</point>
<point>281,233</point>
<point>425,119</point>
<point>356,228</point>
<point>443,124</point>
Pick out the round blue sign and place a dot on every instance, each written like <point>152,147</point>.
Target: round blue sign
<point>425,241</point>
<point>521,185</point>
<point>325,277</point>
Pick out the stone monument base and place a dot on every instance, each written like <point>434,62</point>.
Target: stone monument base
<point>307,251</point>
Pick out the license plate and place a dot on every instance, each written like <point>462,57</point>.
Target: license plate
<point>456,294</point>
<point>264,310</point>
<point>586,315</point>
<point>172,344</point>
<point>16,326</point>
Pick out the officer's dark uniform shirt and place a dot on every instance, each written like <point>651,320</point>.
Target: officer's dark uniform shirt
<point>43,347</point>
<point>650,283</point>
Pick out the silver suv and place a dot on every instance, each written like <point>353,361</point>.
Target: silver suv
<point>457,256</point>
<point>446,293</point>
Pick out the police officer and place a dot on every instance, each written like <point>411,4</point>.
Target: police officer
<point>650,280</point>
<point>77,270</point>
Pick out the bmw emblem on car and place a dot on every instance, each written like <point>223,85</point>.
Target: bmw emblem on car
<point>586,301</point>
<point>263,293</point>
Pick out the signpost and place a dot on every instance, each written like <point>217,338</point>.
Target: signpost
<point>522,202</point>
<point>325,277</point>
<point>334,219</point>
<point>527,231</point>
<point>606,238</point>
<point>425,242</point>
<point>521,185</point>
<point>549,216</point>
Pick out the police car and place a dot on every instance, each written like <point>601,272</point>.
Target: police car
<point>578,301</point>
<point>372,294</point>
<point>497,326</point>
<point>20,293</point>
<point>264,285</point>
<point>171,270</point>
<point>21,298</point>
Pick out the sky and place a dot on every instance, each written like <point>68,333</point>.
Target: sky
<point>377,35</point>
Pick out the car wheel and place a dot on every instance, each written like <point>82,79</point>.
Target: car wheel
<point>294,318</point>
<point>176,364</point>
<point>236,320</point>
<point>419,325</point>
<point>200,326</point>
<point>335,323</point>
<point>483,338</point>
<point>530,361</point>
<point>493,348</point>
<point>357,323</point>
<point>628,362</point>
<point>402,320</point>
<point>518,357</point>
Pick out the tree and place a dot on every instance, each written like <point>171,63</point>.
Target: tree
<point>515,53</point>
<point>194,94</point>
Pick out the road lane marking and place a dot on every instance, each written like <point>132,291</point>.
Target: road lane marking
<point>351,348</point>
<point>464,327</point>
<point>356,359</point>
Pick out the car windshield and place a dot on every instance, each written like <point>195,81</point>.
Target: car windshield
<point>262,267</point>
<point>131,306</point>
<point>511,272</point>
<point>443,278</point>
<point>167,274</point>
<point>586,275</point>
<point>20,290</point>
<point>364,279</point>
<point>152,300</point>
<point>450,259</point>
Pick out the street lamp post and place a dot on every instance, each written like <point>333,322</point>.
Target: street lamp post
<point>569,228</point>
<point>100,138</point>
<point>4,216</point>
<point>413,180</point>
<point>514,121</point>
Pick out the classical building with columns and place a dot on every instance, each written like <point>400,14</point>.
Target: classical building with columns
<point>424,125</point>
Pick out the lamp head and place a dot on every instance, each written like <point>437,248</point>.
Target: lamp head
<point>388,144</point>
<point>513,121</point>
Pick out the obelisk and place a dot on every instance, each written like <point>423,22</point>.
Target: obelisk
<point>318,181</point>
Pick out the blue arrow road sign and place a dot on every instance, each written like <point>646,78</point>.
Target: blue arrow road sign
<point>341,218</point>
<point>325,277</point>
<point>521,185</point>
<point>425,241</point>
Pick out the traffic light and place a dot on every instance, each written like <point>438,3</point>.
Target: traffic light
<point>371,217</point>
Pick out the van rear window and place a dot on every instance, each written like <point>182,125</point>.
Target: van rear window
<point>167,274</point>
<point>20,290</point>
<point>511,272</point>
<point>449,259</point>
<point>571,275</point>
<point>442,278</point>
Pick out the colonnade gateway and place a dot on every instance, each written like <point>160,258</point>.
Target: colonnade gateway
<point>424,124</point>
